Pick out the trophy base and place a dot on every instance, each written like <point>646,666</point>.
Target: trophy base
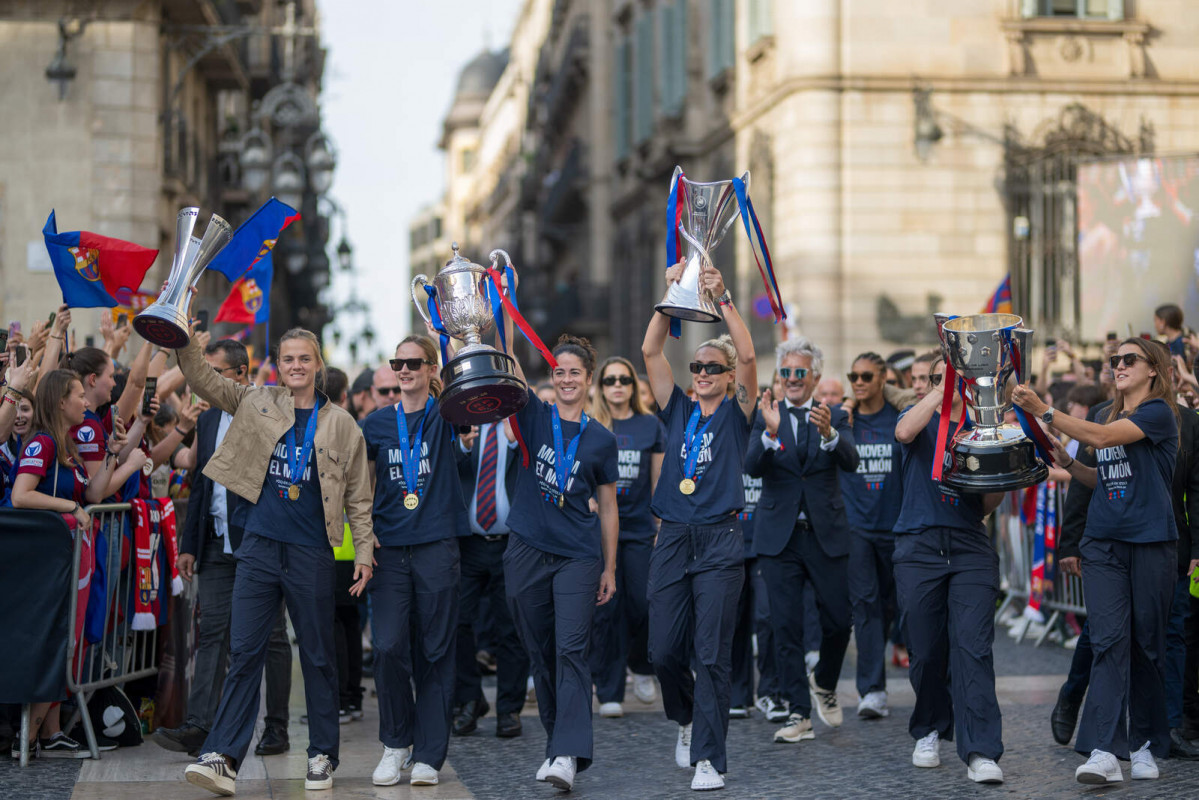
<point>687,313</point>
<point>163,325</point>
<point>481,387</point>
<point>982,467</point>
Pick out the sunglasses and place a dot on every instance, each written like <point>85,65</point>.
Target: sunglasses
<point>387,390</point>
<point>799,372</point>
<point>612,380</point>
<point>1128,358</point>
<point>413,364</point>
<point>935,380</point>
<point>866,377</point>
<point>697,367</point>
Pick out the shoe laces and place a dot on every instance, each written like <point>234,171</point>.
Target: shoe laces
<point>685,735</point>
<point>929,741</point>
<point>209,759</point>
<point>705,767</point>
<point>319,763</point>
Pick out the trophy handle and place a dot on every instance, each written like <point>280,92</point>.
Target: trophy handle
<point>421,281</point>
<point>704,255</point>
<point>495,257</point>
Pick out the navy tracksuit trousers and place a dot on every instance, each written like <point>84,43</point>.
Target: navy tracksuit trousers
<point>948,583</point>
<point>620,630</point>
<point>414,593</point>
<point>872,596</point>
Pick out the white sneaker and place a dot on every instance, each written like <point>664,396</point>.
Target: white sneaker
<point>928,751</point>
<point>561,773</point>
<point>611,710</point>
<point>738,712</point>
<point>682,747</point>
<point>544,769</point>
<point>1143,766</point>
<point>825,702</point>
<point>811,659</point>
<point>1101,767</point>
<point>644,689</point>
<point>422,775</point>
<point>706,777</point>
<point>873,706</point>
<point>797,729</point>
<point>775,708</point>
<point>395,760</point>
<point>984,770</point>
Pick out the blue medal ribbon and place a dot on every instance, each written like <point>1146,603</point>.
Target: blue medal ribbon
<point>692,441</point>
<point>673,220</point>
<point>438,325</point>
<point>564,459</point>
<point>410,457</point>
<point>297,463</point>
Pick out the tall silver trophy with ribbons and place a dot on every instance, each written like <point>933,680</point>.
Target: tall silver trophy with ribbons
<point>698,215</point>
<point>165,323</point>
<point>984,351</point>
<point>481,384</point>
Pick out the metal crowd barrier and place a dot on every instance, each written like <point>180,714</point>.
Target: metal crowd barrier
<point>122,654</point>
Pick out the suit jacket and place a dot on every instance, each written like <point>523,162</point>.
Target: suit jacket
<point>468,470</point>
<point>790,478</point>
<point>195,523</point>
<point>1184,491</point>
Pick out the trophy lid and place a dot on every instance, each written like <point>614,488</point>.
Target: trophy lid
<point>457,263</point>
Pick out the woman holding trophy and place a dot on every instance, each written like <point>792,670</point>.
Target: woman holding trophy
<point>696,568</point>
<point>419,514</point>
<point>301,461</point>
<point>1129,552</point>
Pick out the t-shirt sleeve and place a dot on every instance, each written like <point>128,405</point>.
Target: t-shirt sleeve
<point>678,398</point>
<point>37,457</point>
<point>372,439</point>
<point>659,437</point>
<point>524,417</point>
<point>1156,421</point>
<point>608,471</point>
<point>90,440</point>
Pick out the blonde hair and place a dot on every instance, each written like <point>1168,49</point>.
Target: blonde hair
<point>47,413</point>
<point>308,336</point>
<point>600,409</point>
<point>723,343</point>
<point>430,350</point>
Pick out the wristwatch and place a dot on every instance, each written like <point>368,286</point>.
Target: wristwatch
<point>1047,417</point>
<point>725,299</point>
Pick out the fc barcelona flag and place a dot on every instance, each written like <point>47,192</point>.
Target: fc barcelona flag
<point>254,239</point>
<point>91,269</point>
<point>249,301</point>
<point>1001,301</point>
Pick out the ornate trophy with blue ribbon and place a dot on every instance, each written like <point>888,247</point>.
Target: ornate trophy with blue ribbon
<point>698,215</point>
<point>983,352</point>
<point>463,301</point>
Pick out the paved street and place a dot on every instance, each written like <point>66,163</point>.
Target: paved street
<point>634,758</point>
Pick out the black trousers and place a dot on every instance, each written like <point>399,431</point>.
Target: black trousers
<point>803,562</point>
<point>619,632</point>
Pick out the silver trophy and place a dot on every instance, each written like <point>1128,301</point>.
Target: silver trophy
<point>165,323</point>
<point>481,385</point>
<point>708,211</point>
<point>993,456</point>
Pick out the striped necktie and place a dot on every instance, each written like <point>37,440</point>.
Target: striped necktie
<point>485,510</point>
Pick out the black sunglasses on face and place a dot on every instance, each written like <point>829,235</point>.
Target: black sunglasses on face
<point>413,364</point>
<point>799,372</point>
<point>867,377</point>
<point>1128,358</point>
<point>935,380</point>
<point>697,367</point>
<point>387,390</point>
<point>612,380</point>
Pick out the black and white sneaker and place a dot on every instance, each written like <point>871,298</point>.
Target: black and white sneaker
<point>320,773</point>
<point>62,746</point>
<point>16,748</point>
<point>775,708</point>
<point>213,772</point>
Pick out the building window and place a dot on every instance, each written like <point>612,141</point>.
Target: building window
<point>622,60</point>
<point>672,51</point>
<point>1084,9</point>
<point>761,19</point>
<point>468,159</point>
<point>643,86</point>
<point>721,37</point>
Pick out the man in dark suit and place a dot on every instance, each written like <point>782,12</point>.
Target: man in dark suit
<point>212,531</point>
<point>487,465</point>
<point>800,531</point>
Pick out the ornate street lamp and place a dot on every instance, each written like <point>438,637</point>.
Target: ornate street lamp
<point>255,160</point>
<point>62,71</point>
<point>321,158</point>
<point>287,182</point>
<point>345,254</point>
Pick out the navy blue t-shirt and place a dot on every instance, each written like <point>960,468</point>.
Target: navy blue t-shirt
<point>441,513</point>
<point>299,521</point>
<point>1132,500</point>
<point>637,439</point>
<point>718,490</point>
<point>926,503</point>
<point>753,493</point>
<point>572,531</point>
<point>874,493</point>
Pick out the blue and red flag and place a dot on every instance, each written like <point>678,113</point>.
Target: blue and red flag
<point>249,301</point>
<point>1001,300</point>
<point>254,239</point>
<point>91,269</point>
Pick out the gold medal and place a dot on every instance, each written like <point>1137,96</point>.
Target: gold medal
<point>293,492</point>
<point>561,501</point>
<point>687,486</point>
<point>411,501</point>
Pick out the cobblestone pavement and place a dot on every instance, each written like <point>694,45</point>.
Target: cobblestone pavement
<point>634,757</point>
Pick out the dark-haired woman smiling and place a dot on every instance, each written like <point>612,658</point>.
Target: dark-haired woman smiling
<point>1129,555</point>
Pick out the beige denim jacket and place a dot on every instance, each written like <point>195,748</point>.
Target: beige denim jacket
<point>261,416</point>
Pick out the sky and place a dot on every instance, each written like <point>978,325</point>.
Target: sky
<point>389,78</point>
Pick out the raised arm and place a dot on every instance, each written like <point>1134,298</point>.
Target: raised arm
<point>131,398</point>
<point>1121,431</point>
<point>222,392</point>
<point>917,418</point>
<point>747,361</point>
